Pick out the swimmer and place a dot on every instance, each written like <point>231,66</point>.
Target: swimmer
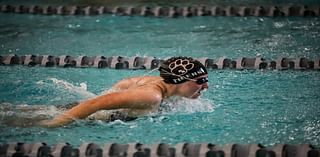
<point>137,96</point>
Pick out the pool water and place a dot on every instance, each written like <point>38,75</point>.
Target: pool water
<point>249,106</point>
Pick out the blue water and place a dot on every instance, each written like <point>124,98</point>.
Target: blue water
<point>247,106</point>
<point>200,36</point>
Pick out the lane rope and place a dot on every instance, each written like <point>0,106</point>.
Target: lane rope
<point>158,11</point>
<point>41,149</point>
<point>149,63</point>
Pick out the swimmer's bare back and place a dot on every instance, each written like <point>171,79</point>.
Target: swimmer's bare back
<point>139,95</point>
<point>135,82</point>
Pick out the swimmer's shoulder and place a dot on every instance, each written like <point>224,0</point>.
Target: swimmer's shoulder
<point>136,82</point>
<point>155,82</point>
<point>144,79</point>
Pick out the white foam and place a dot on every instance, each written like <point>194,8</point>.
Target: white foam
<point>30,111</point>
<point>185,105</point>
<point>48,110</point>
<point>278,24</point>
<point>82,89</point>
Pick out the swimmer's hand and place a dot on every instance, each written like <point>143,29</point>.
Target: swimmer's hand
<point>48,124</point>
<point>56,122</point>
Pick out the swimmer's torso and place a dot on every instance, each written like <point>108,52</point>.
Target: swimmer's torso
<point>154,82</point>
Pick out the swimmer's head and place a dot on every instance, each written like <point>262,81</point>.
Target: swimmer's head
<point>178,70</point>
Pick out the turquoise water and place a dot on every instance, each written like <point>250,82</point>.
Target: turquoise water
<point>247,106</point>
<point>200,36</point>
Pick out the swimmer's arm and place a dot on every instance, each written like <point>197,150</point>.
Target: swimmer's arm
<point>137,99</point>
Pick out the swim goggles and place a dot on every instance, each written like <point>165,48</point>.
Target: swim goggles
<point>200,81</point>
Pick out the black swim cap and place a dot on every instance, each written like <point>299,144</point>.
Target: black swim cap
<point>177,70</point>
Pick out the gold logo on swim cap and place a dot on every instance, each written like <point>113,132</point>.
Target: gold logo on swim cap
<point>180,67</point>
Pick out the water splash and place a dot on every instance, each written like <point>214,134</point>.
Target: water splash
<point>279,24</point>
<point>82,89</point>
<point>24,115</point>
<point>185,105</point>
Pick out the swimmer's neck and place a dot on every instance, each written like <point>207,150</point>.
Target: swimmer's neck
<point>171,90</point>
